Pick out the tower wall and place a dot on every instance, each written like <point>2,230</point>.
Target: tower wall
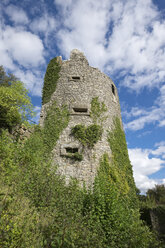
<point>78,84</point>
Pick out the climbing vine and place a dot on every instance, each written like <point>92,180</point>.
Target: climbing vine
<point>120,156</point>
<point>88,136</point>
<point>97,110</point>
<point>75,156</point>
<point>56,120</point>
<point>50,80</point>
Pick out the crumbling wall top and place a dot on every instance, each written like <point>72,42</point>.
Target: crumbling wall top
<point>78,55</point>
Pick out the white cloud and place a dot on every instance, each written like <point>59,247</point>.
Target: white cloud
<point>144,166</point>
<point>117,36</point>
<point>37,110</point>
<point>85,26</point>
<point>44,24</point>
<point>17,15</point>
<point>27,50</point>
<point>33,80</point>
<point>152,115</point>
<point>160,150</point>
<point>21,51</point>
<point>22,46</point>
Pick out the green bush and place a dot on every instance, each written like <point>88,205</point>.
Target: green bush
<point>38,210</point>
<point>15,105</point>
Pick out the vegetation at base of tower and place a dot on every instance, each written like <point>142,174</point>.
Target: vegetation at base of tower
<point>98,110</point>
<point>15,104</point>
<point>152,209</point>
<point>38,210</point>
<point>88,136</point>
<point>50,80</point>
<point>113,209</point>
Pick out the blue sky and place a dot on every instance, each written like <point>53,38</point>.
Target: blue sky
<point>123,38</point>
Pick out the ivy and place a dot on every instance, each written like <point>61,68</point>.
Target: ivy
<point>120,157</point>
<point>112,210</point>
<point>97,110</point>
<point>50,80</point>
<point>75,156</point>
<point>56,120</point>
<point>88,136</point>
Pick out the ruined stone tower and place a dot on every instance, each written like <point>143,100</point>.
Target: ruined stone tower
<point>77,86</point>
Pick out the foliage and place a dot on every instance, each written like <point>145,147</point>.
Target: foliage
<point>15,105</point>
<point>76,156</point>
<point>157,194</point>
<point>5,80</point>
<point>56,120</point>
<point>18,220</point>
<point>37,208</point>
<point>88,136</point>
<point>113,210</point>
<point>152,209</point>
<point>50,80</point>
<point>120,157</point>
<point>97,110</point>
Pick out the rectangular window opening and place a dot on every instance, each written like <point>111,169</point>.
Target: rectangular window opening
<point>80,110</point>
<point>76,78</point>
<point>71,149</point>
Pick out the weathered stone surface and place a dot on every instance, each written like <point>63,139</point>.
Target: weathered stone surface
<point>21,132</point>
<point>77,86</point>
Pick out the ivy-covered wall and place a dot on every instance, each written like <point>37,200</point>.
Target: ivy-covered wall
<point>56,120</point>
<point>50,80</point>
<point>120,159</point>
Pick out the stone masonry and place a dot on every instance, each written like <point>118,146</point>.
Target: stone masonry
<point>78,84</point>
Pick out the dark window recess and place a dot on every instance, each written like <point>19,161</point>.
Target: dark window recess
<point>76,78</point>
<point>113,89</point>
<point>71,149</point>
<point>80,110</point>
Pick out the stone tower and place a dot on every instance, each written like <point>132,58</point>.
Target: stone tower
<point>77,85</point>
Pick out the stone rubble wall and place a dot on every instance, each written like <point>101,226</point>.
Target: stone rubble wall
<point>77,86</point>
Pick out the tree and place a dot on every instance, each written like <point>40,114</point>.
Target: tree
<point>5,80</point>
<point>15,104</point>
<point>157,194</point>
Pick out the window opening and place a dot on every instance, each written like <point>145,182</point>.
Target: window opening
<point>71,149</point>
<point>76,78</point>
<point>113,89</point>
<point>80,110</point>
